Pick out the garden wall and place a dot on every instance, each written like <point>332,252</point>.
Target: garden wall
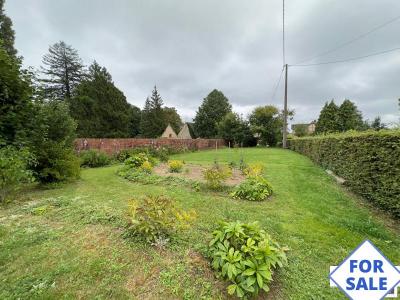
<point>112,146</point>
<point>368,161</point>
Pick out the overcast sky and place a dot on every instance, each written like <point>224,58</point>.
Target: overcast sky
<point>187,48</point>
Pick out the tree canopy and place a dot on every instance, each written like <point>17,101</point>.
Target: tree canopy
<point>266,122</point>
<point>63,70</point>
<point>153,121</point>
<point>101,109</point>
<point>7,34</point>
<point>214,107</point>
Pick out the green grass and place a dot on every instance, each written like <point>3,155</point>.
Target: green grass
<point>67,242</point>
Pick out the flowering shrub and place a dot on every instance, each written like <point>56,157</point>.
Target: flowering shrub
<point>175,166</point>
<point>216,175</point>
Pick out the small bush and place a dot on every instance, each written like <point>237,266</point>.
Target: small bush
<point>147,167</point>
<point>216,175</point>
<point>175,166</point>
<point>14,171</point>
<point>137,160</point>
<point>254,188</point>
<point>94,158</point>
<point>157,217</point>
<point>253,170</point>
<point>246,256</point>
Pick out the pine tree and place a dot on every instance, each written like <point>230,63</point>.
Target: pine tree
<point>328,119</point>
<point>7,34</point>
<point>214,107</point>
<point>63,70</point>
<point>100,108</point>
<point>153,121</point>
<point>349,117</point>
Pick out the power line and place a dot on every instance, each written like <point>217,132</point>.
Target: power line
<point>348,59</point>
<point>277,85</point>
<point>351,41</point>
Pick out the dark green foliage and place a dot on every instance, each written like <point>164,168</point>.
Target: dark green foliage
<point>172,117</point>
<point>156,217</point>
<point>266,122</point>
<point>53,148</point>
<point>94,158</point>
<point>17,115</point>
<point>14,170</point>
<point>214,107</point>
<point>7,34</point>
<point>153,122</point>
<point>368,161</point>
<point>254,188</point>
<point>63,70</point>
<point>246,256</point>
<point>349,117</point>
<point>136,161</point>
<point>328,119</point>
<point>101,109</point>
<point>377,124</point>
<point>234,130</point>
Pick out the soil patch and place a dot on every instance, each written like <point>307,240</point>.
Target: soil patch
<point>195,172</point>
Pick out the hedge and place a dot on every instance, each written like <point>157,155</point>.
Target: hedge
<point>369,162</point>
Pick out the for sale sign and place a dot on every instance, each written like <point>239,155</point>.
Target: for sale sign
<point>366,274</point>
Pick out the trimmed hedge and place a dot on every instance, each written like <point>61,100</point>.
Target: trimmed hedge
<point>369,162</point>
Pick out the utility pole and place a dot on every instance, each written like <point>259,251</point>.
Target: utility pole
<point>285,112</point>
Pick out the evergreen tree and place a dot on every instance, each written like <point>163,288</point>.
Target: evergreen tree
<point>17,115</point>
<point>100,108</point>
<point>63,70</point>
<point>153,121</point>
<point>377,124</point>
<point>214,107</point>
<point>349,117</point>
<point>134,121</point>
<point>7,34</point>
<point>172,117</point>
<point>328,120</point>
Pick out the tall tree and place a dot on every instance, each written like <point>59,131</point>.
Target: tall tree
<point>349,117</point>
<point>377,124</point>
<point>63,70</point>
<point>328,119</point>
<point>153,121</point>
<point>214,107</point>
<point>99,107</point>
<point>266,122</point>
<point>134,121</point>
<point>17,114</point>
<point>7,34</point>
<point>172,117</point>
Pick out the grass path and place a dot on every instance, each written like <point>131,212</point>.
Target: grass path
<point>66,242</point>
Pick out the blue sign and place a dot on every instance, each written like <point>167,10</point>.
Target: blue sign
<point>366,274</point>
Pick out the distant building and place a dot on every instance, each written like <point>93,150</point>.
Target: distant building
<point>185,132</point>
<point>169,133</point>
<point>304,129</point>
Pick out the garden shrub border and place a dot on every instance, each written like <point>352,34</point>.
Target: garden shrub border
<point>369,162</point>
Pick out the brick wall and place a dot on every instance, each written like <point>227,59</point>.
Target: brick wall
<point>112,146</point>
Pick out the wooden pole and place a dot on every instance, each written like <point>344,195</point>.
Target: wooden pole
<point>285,112</point>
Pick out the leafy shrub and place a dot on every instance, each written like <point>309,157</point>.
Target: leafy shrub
<point>14,170</point>
<point>137,160</point>
<point>246,256</point>
<point>175,166</point>
<point>146,167</point>
<point>254,188</point>
<point>157,217</point>
<point>253,170</point>
<point>216,175</point>
<point>94,158</point>
<point>368,161</point>
<point>162,153</point>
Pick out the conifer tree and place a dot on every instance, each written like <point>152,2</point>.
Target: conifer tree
<point>7,34</point>
<point>63,70</point>
<point>328,119</point>
<point>153,121</point>
<point>214,107</point>
<point>349,117</point>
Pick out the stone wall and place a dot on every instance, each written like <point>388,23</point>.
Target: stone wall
<point>112,146</point>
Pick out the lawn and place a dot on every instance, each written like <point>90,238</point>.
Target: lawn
<point>66,242</point>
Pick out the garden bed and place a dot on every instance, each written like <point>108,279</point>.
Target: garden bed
<point>195,172</point>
